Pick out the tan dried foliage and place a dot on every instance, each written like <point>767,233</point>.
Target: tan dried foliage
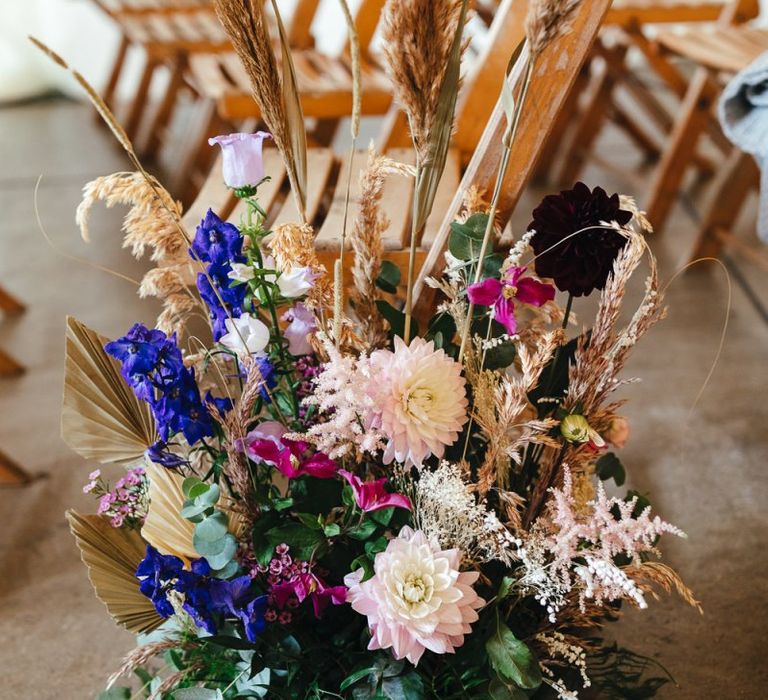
<point>655,573</point>
<point>293,245</point>
<point>504,413</point>
<point>366,241</point>
<point>418,37</point>
<point>546,21</point>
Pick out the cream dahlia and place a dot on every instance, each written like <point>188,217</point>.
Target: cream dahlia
<point>417,599</point>
<point>420,398</point>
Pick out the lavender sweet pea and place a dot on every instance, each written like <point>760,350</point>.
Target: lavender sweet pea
<point>242,154</point>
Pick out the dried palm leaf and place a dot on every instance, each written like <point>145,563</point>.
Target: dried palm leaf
<point>164,528</point>
<point>101,417</point>
<point>112,555</point>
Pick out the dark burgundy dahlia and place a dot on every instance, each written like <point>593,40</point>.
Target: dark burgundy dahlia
<point>583,262</point>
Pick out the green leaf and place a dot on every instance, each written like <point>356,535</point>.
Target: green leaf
<point>299,538</point>
<point>220,560</point>
<point>373,547</point>
<point>282,503</point>
<point>193,510</point>
<point>492,265</point>
<point>610,467</point>
<point>389,277</point>
<point>192,487</point>
<point>405,687</point>
<point>210,496</point>
<point>498,690</point>
<point>364,530</point>
<point>383,516</point>
<point>395,318</point>
<point>228,571</point>
<point>115,694</point>
<point>310,520</point>
<point>197,694</point>
<point>466,239</point>
<point>332,530</point>
<point>512,659</point>
<point>504,588</point>
<point>353,678</point>
<point>364,563</point>
<point>213,528</point>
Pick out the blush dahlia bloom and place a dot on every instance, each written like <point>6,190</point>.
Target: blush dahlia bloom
<point>417,599</point>
<point>420,400</point>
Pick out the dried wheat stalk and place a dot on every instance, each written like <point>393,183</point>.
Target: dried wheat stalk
<point>245,22</point>
<point>418,37</point>
<point>366,240</point>
<point>546,21</point>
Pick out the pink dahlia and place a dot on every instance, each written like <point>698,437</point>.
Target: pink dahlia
<point>417,599</point>
<point>420,400</point>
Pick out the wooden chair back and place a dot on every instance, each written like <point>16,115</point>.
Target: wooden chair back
<point>553,76</point>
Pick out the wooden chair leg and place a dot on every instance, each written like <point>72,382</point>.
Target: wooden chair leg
<point>736,181</point>
<point>11,473</point>
<point>116,72</point>
<point>139,104</point>
<point>695,113</point>
<point>592,120</point>
<point>158,130</point>
<point>8,366</point>
<point>9,304</point>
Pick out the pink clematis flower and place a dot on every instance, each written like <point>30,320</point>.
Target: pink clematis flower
<point>512,286</point>
<point>307,585</point>
<point>371,495</point>
<point>288,457</point>
<point>243,164</point>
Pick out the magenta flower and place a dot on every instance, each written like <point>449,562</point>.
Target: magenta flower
<point>307,585</point>
<point>512,286</point>
<point>243,164</point>
<point>289,457</point>
<point>371,495</point>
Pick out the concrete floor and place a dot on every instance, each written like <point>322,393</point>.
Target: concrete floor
<point>703,469</point>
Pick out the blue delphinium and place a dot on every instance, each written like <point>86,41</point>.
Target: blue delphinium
<point>219,244</point>
<point>206,598</point>
<point>156,572</point>
<point>160,454</point>
<point>153,366</point>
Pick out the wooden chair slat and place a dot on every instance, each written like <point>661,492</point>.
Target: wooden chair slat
<point>554,74</point>
<point>320,164</point>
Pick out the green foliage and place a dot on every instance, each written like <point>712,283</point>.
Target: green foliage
<point>512,660</point>
<point>389,277</point>
<point>211,537</point>
<point>115,693</point>
<point>610,467</point>
<point>466,239</point>
<point>395,318</point>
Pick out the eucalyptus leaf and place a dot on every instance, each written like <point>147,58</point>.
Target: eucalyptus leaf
<point>220,560</point>
<point>609,466</point>
<point>466,239</point>
<point>115,693</point>
<point>213,528</point>
<point>389,277</point>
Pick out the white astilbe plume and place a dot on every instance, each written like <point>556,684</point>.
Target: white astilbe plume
<point>595,535</point>
<point>341,398</point>
<point>447,510</point>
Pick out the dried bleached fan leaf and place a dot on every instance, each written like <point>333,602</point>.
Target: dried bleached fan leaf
<point>112,556</point>
<point>164,528</point>
<point>101,417</point>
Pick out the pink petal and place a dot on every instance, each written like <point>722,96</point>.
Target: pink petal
<point>391,500</point>
<point>320,466</point>
<point>485,293</point>
<point>504,313</point>
<point>531,291</point>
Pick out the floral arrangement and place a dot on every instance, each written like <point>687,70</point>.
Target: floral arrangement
<point>324,500</point>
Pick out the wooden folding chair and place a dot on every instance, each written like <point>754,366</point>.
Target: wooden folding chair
<point>626,35</point>
<point>553,80</point>
<point>169,32</point>
<point>325,83</point>
<point>328,171</point>
<point>479,118</point>
<point>718,54</point>
<point>10,306</point>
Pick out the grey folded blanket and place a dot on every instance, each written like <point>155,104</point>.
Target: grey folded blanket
<point>743,113</point>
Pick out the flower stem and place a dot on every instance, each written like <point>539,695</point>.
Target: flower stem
<point>507,141</point>
<point>411,263</point>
